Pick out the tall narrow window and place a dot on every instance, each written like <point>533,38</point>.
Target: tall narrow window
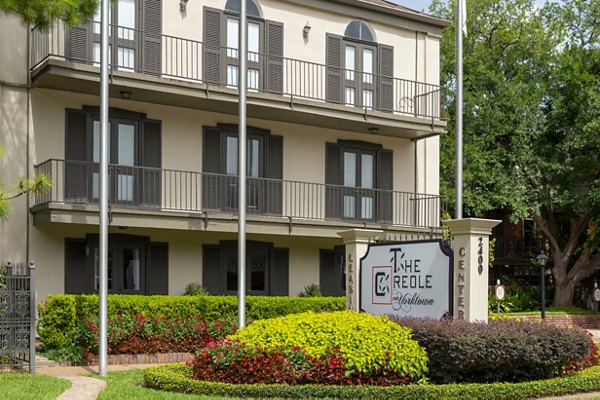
<point>359,71</point>
<point>221,47</point>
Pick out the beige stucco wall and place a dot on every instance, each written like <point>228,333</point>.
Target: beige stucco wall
<point>182,138</point>
<point>13,50</point>
<point>13,165</point>
<point>412,54</point>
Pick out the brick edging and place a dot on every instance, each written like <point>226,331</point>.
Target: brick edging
<point>582,321</point>
<point>156,358</point>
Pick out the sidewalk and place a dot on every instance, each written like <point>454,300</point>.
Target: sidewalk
<point>83,387</point>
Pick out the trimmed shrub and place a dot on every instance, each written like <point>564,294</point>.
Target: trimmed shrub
<point>500,351</point>
<point>178,378</point>
<point>129,334</point>
<point>366,343</point>
<point>234,362</point>
<point>195,289</point>
<point>60,315</point>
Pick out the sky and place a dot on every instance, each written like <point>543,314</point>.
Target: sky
<point>423,5</point>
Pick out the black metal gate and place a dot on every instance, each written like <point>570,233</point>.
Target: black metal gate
<point>17,316</point>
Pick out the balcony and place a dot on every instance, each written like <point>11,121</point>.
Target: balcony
<point>182,72</point>
<point>142,196</point>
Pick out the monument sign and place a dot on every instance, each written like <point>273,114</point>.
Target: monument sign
<point>407,279</point>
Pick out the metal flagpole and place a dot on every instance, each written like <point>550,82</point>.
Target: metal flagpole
<point>103,289</point>
<point>459,110</point>
<point>243,46</point>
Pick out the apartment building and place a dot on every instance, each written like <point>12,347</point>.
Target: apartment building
<point>343,132</point>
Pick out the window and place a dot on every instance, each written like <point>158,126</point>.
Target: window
<point>221,48</point>
<point>332,271</point>
<point>263,170</point>
<point>267,269</point>
<point>359,71</point>
<point>135,265</point>
<point>134,143</point>
<point>359,181</point>
<point>134,34</point>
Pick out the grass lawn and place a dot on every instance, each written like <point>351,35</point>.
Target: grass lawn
<point>126,385</point>
<point>22,386</point>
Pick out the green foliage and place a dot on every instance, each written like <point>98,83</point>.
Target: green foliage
<point>519,298</point>
<point>59,315</point>
<point>365,342</point>
<point>531,117</point>
<point>38,185</point>
<point>42,12</point>
<point>312,290</point>
<point>72,354</point>
<point>178,378</point>
<point>195,289</point>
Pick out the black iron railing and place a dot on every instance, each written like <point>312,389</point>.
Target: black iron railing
<point>76,182</point>
<point>189,60</point>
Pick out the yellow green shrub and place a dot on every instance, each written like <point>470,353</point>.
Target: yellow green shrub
<point>365,342</point>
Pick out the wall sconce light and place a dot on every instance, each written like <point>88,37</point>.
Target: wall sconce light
<point>125,94</point>
<point>182,5</point>
<point>306,30</point>
<point>373,130</point>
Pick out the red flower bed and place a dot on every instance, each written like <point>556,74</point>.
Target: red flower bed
<point>233,362</point>
<point>137,334</point>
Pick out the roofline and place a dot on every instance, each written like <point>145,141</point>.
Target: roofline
<point>400,11</point>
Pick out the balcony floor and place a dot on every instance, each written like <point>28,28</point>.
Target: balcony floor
<point>56,73</point>
<point>81,214</point>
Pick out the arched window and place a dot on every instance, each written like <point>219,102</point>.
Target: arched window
<point>360,30</point>
<point>252,8</point>
<point>360,71</point>
<point>221,48</point>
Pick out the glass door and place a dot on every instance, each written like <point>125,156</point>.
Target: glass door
<point>359,64</point>
<point>125,268</point>
<point>122,36</point>
<point>254,50</point>
<point>359,180</point>
<point>254,172</point>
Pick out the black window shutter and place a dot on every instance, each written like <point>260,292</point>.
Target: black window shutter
<point>211,60</point>
<point>386,185</point>
<point>280,273</point>
<point>211,269</point>
<point>75,266</point>
<point>151,157</point>
<point>212,181</point>
<point>327,273</point>
<point>76,43</point>
<point>386,78</point>
<point>334,69</point>
<point>76,170</point>
<point>157,272</point>
<point>273,185</point>
<point>333,190</point>
<point>274,57</point>
<point>152,31</point>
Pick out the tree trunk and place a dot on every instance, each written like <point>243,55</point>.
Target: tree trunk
<point>563,293</point>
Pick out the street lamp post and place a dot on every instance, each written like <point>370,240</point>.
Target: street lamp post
<point>542,259</point>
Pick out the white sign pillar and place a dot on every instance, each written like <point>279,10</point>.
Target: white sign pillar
<point>356,242</point>
<point>471,267</point>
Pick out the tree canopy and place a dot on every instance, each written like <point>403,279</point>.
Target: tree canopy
<point>42,12</point>
<point>531,123</point>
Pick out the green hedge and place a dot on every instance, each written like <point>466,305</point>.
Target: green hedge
<point>177,378</point>
<point>60,315</point>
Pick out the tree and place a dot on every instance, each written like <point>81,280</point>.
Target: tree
<point>42,12</point>
<point>37,185</point>
<point>531,120</point>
